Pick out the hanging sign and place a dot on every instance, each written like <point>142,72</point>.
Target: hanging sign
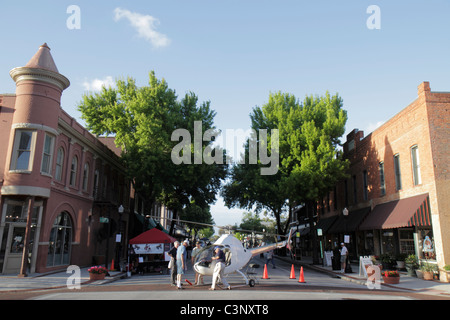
<point>148,248</point>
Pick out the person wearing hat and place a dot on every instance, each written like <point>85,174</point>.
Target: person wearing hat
<point>219,258</point>
<point>181,262</point>
<point>344,253</point>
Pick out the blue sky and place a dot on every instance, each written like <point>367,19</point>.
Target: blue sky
<point>234,53</point>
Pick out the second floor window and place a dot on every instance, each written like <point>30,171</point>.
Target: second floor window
<point>365,186</point>
<point>47,154</point>
<point>73,171</point>
<point>382,181</point>
<point>85,176</point>
<point>23,150</point>
<point>398,176</point>
<point>415,165</point>
<point>59,164</point>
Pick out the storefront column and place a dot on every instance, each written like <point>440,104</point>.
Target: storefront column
<point>26,243</point>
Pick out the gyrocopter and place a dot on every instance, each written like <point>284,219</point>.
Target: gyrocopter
<point>236,256</point>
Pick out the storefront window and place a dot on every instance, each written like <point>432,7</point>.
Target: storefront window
<point>60,241</point>
<point>426,244</point>
<point>406,238</point>
<point>387,241</point>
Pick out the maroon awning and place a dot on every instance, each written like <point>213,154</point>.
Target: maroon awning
<point>152,236</point>
<point>408,212</point>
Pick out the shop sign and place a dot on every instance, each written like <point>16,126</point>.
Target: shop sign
<point>148,248</point>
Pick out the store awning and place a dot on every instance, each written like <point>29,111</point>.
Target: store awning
<point>351,222</point>
<point>326,223</point>
<point>152,236</point>
<point>412,211</point>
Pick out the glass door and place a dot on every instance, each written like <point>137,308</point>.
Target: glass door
<point>14,249</point>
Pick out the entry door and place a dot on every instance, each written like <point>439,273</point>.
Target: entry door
<point>14,249</point>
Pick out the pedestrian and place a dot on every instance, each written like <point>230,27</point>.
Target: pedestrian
<point>173,262</point>
<point>219,258</point>
<point>198,276</point>
<point>181,261</point>
<point>269,258</point>
<point>344,253</point>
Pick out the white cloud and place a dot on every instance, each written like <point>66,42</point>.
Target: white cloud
<point>145,26</point>
<point>373,126</point>
<point>97,84</point>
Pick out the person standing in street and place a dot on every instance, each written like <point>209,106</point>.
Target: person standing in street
<point>181,262</point>
<point>198,276</point>
<point>344,253</point>
<point>219,258</point>
<point>269,258</point>
<point>173,262</point>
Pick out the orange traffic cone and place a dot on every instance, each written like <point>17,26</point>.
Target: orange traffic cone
<point>265,275</point>
<point>292,273</point>
<point>301,279</point>
<point>112,265</point>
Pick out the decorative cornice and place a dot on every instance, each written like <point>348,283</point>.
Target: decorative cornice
<point>36,74</point>
<point>35,126</point>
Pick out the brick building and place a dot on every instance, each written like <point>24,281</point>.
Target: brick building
<point>397,195</point>
<point>71,183</point>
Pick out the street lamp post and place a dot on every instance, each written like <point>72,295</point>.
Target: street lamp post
<point>347,264</point>
<point>119,235</point>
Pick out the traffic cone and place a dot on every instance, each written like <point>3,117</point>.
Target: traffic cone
<point>292,273</point>
<point>265,275</point>
<point>112,265</point>
<point>301,279</point>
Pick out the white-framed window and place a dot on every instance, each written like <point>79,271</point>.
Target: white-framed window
<point>23,150</point>
<point>47,154</point>
<point>415,165</point>
<point>59,164</point>
<point>73,171</point>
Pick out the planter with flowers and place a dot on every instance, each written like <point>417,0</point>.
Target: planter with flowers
<point>97,273</point>
<point>391,277</point>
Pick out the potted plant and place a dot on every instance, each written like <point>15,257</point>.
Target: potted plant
<point>428,270</point>
<point>411,265</point>
<point>97,273</point>
<point>447,272</point>
<point>391,277</point>
<point>386,261</point>
<point>400,259</point>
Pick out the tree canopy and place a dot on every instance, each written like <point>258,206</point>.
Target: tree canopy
<point>310,163</point>
<point>143,119</point>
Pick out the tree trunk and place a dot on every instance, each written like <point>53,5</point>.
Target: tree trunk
<point>311,211</point>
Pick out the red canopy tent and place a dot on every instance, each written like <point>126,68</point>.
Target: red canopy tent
<point>152,236</point>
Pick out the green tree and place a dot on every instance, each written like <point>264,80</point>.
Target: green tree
<point>310,163</point>
<point>142,119</point>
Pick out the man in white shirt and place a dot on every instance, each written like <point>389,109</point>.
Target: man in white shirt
<point>344,253</point>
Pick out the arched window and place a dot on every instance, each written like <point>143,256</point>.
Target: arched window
<point>59,164</point>
<point>85,176</point>
<point>60,241</point>
<point>73,171</point>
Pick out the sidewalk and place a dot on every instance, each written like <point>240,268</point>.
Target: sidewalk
<point>408,283</point>
<point>51,280</point>
<point>12,283</point>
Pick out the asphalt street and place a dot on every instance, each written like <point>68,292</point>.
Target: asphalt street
<point>278,286</point>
